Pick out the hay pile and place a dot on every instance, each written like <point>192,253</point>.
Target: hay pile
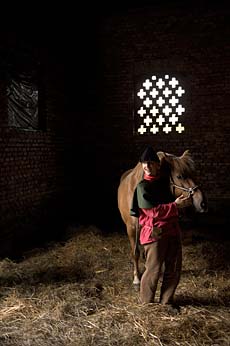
<point>79,293</point>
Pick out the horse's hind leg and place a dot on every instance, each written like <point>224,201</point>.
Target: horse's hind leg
<point>133,234</point>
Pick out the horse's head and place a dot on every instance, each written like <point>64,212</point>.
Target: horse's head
<point>181,171</point>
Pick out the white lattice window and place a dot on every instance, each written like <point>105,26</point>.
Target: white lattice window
<point>159,105</point>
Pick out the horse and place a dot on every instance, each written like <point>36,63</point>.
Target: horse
<point>180,172</point>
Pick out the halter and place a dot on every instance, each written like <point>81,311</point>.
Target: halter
<point>190,190</point>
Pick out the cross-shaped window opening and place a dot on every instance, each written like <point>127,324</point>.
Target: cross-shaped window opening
<point>159,105</point>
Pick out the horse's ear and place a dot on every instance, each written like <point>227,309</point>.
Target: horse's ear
<point>185,154</point>
<point>161,155</point>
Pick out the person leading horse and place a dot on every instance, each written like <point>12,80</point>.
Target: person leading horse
<point>160,235</point>
<point>176,173</point>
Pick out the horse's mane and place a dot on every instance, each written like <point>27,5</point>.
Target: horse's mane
<point>183,164</point>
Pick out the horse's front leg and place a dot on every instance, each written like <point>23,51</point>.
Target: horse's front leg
<point>133,234</point>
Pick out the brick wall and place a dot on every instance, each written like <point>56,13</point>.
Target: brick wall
<point>32,170</point>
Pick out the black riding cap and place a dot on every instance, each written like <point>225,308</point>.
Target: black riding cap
<point>149,155</point>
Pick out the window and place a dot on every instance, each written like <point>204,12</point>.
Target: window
<point>159,105</point>
<point>24,99</point>
<point>23,104</point>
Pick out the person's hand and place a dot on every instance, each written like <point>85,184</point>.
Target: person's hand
<point>183,201</point>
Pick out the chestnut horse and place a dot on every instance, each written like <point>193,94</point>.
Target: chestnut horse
<point>180,171</point>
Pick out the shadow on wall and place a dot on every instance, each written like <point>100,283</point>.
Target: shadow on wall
<point>92,188</point>
<point>42,224</point>
<point>95,205</point>
<point>213,225</point>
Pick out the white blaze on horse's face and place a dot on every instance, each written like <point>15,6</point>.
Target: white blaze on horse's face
<point>151,168</point>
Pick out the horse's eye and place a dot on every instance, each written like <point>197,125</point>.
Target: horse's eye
<point>182,177</point>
